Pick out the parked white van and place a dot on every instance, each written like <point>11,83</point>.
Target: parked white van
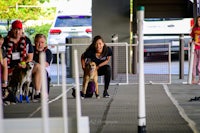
<point>166,30</point>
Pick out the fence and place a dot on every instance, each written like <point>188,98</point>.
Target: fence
<point>155,72</point>
<point>56,73</point>
<point>46,124</point>
<point>66,124</point>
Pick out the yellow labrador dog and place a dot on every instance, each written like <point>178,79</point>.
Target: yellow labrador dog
<point>90,74</point>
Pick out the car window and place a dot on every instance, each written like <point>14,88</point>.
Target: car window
<point>73,21</point>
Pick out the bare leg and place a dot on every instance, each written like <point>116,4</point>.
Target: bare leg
<point>37,77</point>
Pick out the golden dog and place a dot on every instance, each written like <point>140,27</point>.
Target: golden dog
<point>90,74</point>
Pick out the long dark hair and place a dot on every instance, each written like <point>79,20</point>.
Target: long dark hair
<point>196,22</point>
<point>92,45</point>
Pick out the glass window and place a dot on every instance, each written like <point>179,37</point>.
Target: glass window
<point>73,21</point>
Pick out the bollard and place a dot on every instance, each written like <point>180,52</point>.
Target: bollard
<point>181,57</point>
<point>44,98</point>
<point>141,101</point>
<point>191,61</point>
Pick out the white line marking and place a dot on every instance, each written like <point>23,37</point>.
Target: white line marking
<point>53,100</point>
<point>190,122</point>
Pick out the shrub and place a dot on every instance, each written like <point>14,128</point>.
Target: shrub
<point>32,31</point>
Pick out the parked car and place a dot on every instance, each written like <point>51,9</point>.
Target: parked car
<point>68,25</point>
<point>162,31</point>
<point>3,28</point>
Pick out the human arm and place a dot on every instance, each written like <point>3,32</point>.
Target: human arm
<point>30,50</point>
<point>4,73</point>
<point>4,68</point>
<point>104,63</point>
<point>29,57</point>
<point>195,36</point>
<point>49,57</point>
<point>83,61</point>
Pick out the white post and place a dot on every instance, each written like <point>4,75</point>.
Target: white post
<point>78,101</point>
<point>169,65</point>
<point>58,66</point>
<point>191,63</point>
<point>141,101</point>
<point>64,97</point>
<point>45,107</point>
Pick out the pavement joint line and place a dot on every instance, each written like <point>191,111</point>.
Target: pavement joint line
<point>53,100</point>
<point>190,122</point>
<point>103,120</point>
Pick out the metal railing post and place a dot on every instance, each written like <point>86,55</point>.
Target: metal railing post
<point>181,57</point>
<point>114,57</point>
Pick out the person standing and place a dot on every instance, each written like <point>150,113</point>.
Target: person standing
<point>195,34</point>
<point>100,53</point>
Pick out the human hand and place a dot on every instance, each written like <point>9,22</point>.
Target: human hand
<point>97,67</point>
<point>4,83</point>
<point>83,67</point>
<point>22,64</point>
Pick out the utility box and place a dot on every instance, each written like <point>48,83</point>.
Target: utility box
<point>70,54</point>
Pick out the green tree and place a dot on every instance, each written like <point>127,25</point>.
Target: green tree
<point>22,9</point>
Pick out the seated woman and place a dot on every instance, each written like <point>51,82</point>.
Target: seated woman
<point>40,46</point>
<point>100,53</point>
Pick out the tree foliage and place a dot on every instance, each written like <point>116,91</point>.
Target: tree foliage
<point>22,9</point>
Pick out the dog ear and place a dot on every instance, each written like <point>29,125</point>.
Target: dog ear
<point>87,65</point>
<point>87,61</point>
<point>28,66</point>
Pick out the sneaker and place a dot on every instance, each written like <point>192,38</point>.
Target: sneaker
<point>5,103</point>
<point>194,82</point>
<point>83,96</point>
<point>106,95</point>
<point>37,96</point>
<point>97,96</point>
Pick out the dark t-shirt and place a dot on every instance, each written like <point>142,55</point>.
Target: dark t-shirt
<point>49,55</point>
<point>91,55</point>
<point>29,49</point>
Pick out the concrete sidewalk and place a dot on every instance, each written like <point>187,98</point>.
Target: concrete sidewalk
<point>167,109</point>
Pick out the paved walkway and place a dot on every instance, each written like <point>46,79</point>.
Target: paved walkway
<point>168,109</point>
